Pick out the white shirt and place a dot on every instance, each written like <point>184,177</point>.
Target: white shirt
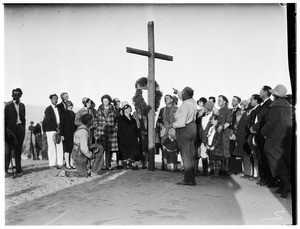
<point>205,120</point>
<point>56,113</point>
<point>18,112</point>
<point>186,113</point>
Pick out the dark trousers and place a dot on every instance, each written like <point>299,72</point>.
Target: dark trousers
<point>20,134</point>
<point>263,164</point>
<point>81,162</point>
<point>186,137</point>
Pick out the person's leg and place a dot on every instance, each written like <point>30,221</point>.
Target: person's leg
<point>80,163</point>
<point>7,156</point>
<point>51,148</point>
<point>60,154</point>
<point>67,159</point>
<point>20,134</point>
<point>186,137</point>
<point>107,159</point>
<point>97,162</point>
<point>217,168</point>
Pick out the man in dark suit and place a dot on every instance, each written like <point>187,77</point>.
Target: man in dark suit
<point>235,164</point>
<point>50,127</point>
<point>15,125</point>
<point>260,121</point>
<point>255,102</point>
<point>62,106</point>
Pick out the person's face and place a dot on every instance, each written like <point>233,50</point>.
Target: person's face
<point>168,100</point>
<point>128,110</point>
<point>65,98</point>
<point>243,107</point>
<point>253,102</point>
<point>54,100</point>
<point>214,122</point>
<point>70,108</point>
<point>118,103</point>
<point>200,104</point>
<point>88,104</point>
<point>221,102</point>
<point>234,102</point>
<point>105,102</point>
<point>16,95</point>
<point>262,94</point>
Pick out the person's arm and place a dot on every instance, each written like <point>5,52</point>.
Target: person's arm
<point>78,118</point>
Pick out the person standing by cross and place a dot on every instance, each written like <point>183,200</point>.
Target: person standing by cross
<point>151,87</point>
<point>186,129</point>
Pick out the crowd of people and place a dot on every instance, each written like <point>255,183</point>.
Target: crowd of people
<point>253,138</point>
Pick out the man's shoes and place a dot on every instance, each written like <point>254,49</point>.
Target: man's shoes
<point>59,167</point>
<point>285,192</point>
<point>186,183</point>
<point>7,175</point>
<point>279,190</point>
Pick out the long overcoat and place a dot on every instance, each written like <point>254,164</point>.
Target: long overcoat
<point>225,114</point>
<point>128,138</point>
<point>279,132</point>
<point>67,129</point>
<point>106,129</point>
<point>242,147</point>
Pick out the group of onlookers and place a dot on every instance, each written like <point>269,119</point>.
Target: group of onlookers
<point>253,138</point>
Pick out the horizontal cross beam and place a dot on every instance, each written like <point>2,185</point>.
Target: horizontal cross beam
<point>146,53</point>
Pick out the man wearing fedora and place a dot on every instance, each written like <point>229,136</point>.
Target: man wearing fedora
<point>51,128</point>
<point>278,131</point>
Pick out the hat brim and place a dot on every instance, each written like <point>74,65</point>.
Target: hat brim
<point>276,93</point>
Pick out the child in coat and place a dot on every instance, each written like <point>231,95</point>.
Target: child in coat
<point>214,145</point>
<point>170,148</point>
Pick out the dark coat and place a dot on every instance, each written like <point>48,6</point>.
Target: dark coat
<point>67,129</point>
<point>242,147</point>
<point>278,131</point>
<point>262,116</point>
<point>11,116</point>
<point>225,114</point>
<point>61,108</point>
<point>128,138</point>
<point>49,123</point>
<point>250,122</point>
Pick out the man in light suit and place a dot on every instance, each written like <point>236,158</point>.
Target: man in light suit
<point>15,126</point>
<point>50,127</point>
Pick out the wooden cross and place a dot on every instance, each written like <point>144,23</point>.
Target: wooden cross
<point>151,88</point>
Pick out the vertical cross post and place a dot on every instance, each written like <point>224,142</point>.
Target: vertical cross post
<point>151,96</point>
<point>151,54</point>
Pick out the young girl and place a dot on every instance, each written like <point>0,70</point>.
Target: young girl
<point>214,145</point>
<point>170,148</point>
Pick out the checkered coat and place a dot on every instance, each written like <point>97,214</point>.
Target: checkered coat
<point>106,129</point>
